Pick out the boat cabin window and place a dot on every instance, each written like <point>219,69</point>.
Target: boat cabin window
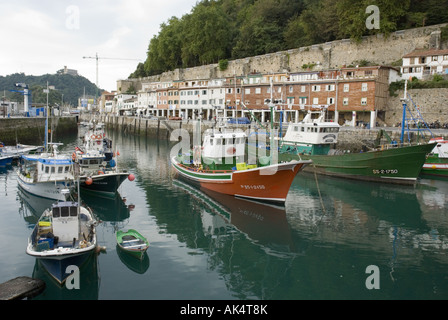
<point>53,169</point>
<point>303,129</point>
<point>47,169</point>
<point>60,169</point>
<point>67,168</point>
<point>219,141</point>
<point>296,128</point>
<point>211,142</point>
<point>65,212</point>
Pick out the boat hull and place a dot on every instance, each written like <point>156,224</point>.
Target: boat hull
<point>435,166</point>
<point>268,184</point>
<point>106,184</point>
<point>137,250</point>
<point>48,190</point>
<point>400,165</point>
<point>6,161</point>
<point>60,268</point>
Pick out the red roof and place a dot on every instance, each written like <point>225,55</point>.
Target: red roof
<point>425,53</point>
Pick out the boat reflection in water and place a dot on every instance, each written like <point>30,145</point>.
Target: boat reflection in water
<point>139,266</point>
<point>111,209</point>
<point>380,217</point>
<point>115,211</point>
<point>263,224</point>
<point>85,287</point>
<point>32,206</point>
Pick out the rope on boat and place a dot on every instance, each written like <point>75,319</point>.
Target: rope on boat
<point>318,189</point>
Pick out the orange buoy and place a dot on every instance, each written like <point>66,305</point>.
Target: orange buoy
<point>89,181</point>
<point>131,177</point>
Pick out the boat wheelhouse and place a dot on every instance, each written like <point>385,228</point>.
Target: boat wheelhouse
<point>310,136</point>
<point>49,177</point>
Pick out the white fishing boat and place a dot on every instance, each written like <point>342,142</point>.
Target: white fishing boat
<point>64,236</point>
<point>49,175</point>
<point>19,150</point>
<point>97,167</point>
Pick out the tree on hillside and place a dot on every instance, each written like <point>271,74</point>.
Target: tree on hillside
<point>232,29</point>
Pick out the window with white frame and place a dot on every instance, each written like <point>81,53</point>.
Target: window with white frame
<point>364,86</point>
<point>329,87</point>
<point>257,90</point>
<point>330,100</point>
<point>247,91</point>
<point>291,89</point>
<point>315,88</point>
<point>303,89</point>
<point>346,87</point>
<point>315,100</point>
<point>345,101</point>
<point>363,101</point>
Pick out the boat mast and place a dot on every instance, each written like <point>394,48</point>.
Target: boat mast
<point>404,102</point>
<point>46,123</point>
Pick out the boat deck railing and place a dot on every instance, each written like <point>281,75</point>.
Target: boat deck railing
<point>202,170</point>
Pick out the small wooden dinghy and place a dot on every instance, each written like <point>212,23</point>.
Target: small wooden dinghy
<point>132,242</point>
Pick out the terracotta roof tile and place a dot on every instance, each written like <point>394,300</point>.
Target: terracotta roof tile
<point>425,53</point>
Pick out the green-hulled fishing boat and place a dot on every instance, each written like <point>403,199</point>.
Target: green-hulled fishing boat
<point>312,139</point>
<point>132,242</point>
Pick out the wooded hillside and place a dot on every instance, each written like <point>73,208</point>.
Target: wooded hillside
<point>216,30</point>
<point>72,87</point>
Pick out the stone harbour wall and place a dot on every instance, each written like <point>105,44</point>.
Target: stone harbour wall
<point>432,103</point>
<point>32,130</point>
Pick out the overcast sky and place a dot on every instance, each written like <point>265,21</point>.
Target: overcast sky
<point>42,36</point>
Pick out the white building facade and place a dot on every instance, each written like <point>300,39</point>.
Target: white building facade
<point>424,63</point>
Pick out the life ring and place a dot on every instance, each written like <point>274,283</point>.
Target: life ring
<point>231,150</point>
<point>100,172</point>
<point>93,136</point>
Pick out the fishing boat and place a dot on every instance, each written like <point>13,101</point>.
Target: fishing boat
<point>98,168</point>
<point>96,176</point>
<point>437,161</point>
<point>132,242</point>
<point>19,150</point>
<point>96,142</point>
<point>64,236</point>
<point>220,165</point>
<point>6,160</point>
<point>49,175</point>
<point>313,139</point>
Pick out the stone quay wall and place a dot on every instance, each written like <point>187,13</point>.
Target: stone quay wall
<point>32,130</point>
<point>350,138</point>
<point>432,103</point>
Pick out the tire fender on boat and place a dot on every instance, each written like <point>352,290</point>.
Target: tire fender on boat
<point>231,150</point>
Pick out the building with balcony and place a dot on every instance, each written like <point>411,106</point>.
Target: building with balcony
<point>423,63</point>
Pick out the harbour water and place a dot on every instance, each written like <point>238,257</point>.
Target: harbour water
<point>323,244</point>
